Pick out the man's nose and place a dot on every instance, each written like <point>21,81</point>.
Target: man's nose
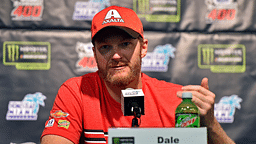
<point>116,54</point>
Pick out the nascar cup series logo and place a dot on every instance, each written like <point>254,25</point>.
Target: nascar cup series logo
<point>224,111</point>
<point>26,109</point>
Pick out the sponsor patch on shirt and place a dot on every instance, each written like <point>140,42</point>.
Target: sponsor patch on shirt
<point>63,123</point>
<point>59,114</point>
<point>50,123</point>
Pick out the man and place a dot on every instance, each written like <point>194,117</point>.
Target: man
<point>86,106</point>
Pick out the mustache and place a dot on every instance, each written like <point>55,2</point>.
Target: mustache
<point>118,63</point>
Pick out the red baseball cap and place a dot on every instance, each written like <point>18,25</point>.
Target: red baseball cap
<point>119,17</point>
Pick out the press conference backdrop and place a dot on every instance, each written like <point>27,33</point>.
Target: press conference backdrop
<point>46,42</point>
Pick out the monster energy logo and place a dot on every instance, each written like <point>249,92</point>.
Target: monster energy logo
<point>13,52</point>
<point>222,58</point>
<point>208,55</point>
<point>158,11</point>
<point>143,5</point>
<point>27,55</point>
<point>115,140</point>
<point>123,140</point>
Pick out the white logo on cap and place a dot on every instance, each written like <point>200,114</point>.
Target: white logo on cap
<point>112,16</point>
<point>112,13</point>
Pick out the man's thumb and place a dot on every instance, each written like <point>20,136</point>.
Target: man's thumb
<point>204,83</point>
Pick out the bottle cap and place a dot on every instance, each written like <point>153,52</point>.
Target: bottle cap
<point>186,95</point>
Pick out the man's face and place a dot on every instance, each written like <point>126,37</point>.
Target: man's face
<point>118,57</point>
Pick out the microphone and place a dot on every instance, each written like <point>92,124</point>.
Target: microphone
<point>132,102</point>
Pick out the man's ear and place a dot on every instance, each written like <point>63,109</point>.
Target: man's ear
<point>94,51</point>
<point>144,49</point>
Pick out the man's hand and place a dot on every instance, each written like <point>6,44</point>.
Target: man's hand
<point>204,99</point>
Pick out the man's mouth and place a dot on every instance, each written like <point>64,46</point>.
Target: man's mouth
<point>118,66</point>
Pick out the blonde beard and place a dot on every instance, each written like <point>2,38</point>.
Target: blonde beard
<point>122,81</point>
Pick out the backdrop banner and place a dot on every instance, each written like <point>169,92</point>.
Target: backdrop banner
<point>44,43</point>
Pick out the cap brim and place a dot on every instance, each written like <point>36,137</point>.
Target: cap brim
<point>129,31</point>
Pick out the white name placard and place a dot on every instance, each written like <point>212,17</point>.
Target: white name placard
<point>157,135</point>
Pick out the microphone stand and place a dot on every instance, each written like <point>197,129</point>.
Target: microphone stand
<point>137,113</point>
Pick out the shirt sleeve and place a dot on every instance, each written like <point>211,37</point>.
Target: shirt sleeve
<point>66,115</point>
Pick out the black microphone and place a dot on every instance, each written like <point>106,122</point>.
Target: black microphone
<point>132,102</point>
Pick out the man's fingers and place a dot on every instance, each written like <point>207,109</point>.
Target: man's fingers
<point>204,83</point>
<point>204,105</point>
<point>199,96</point>
<point>197,88</point>
<point>202,97</point>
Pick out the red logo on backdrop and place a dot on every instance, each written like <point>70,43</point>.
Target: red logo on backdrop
<point>86,61</point>
<point>27,10</point>
<point>89,62</point>
<point>221,10</point>
<point>222,14</point>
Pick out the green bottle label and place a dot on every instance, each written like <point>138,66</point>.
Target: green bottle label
<point>187,120</point>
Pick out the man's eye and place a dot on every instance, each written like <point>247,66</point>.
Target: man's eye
<point>104,49</point>
<point>125,44</point>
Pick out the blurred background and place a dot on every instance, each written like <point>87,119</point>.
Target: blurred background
<point>46,42</point>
